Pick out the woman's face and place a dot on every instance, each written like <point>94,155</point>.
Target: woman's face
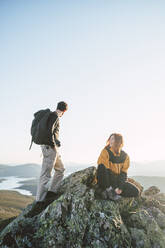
<point>112,141</point>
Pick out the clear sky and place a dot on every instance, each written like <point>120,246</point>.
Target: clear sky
<point>106,59</point>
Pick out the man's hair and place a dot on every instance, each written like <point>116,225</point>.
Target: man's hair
<point>62,106</point>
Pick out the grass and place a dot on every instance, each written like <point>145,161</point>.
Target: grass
<point>11,205</point>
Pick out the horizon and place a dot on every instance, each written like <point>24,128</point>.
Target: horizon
<point>78,163</point>
<point>136,169</point>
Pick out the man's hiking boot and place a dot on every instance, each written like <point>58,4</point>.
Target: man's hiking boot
<point>50,197</point>
<point>37,208</point>
<point>40,206</point>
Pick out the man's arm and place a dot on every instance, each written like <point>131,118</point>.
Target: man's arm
<point>56,133</point>
<point>52,126</point>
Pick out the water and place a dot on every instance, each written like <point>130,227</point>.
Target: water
<point>11,183</point>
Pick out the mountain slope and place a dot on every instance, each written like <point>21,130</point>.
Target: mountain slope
<point>11,205</point>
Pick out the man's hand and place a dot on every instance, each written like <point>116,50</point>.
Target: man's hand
<point>53,147</point>
<point>58,143</point>
<point>118,191</point>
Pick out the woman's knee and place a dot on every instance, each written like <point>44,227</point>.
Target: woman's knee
<point>130,190</point>
<point>136,192</point>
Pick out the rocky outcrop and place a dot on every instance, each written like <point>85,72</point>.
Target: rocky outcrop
<point>77,219</point>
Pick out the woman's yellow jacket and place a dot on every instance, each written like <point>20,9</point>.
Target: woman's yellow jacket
<point>116,168</point>
<point>116,165</point>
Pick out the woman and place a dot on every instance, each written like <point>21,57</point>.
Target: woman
<point>113,164</point>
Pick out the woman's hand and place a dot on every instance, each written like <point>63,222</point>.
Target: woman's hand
<point>118,191</point>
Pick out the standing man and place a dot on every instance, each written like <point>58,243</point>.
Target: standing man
<point>47,188</point>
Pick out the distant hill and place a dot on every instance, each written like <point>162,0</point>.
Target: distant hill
<point>33,170</point>
<point>25,170</point>
<point>154,168</point>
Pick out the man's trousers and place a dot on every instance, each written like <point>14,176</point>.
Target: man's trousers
<point>51,159</point>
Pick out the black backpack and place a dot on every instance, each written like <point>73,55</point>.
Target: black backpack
<point>39,128</point>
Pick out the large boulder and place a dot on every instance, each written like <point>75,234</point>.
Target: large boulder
<point>77,219</point>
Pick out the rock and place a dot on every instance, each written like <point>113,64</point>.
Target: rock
<point>160,197</point>
<point>78,220</point>
<point>153,190</point>
<point>139,239</point>
<point>158,216</point>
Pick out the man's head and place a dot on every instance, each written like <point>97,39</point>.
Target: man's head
<point>61,108</point>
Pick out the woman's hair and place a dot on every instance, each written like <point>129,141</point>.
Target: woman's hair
<point>118,140</point>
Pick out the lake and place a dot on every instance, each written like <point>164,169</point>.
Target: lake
<point>11,183</point>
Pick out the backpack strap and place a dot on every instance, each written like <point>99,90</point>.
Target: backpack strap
<point>116,159</point>
<point>31,144</point>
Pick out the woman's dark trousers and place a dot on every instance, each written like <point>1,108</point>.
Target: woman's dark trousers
<point>105,179</point>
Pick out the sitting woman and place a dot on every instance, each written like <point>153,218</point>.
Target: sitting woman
<point>111,175</point>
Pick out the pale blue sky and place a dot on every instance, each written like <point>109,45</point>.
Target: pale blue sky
<point>106,59</point>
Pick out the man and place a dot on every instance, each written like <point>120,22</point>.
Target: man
<point>46,190</point>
